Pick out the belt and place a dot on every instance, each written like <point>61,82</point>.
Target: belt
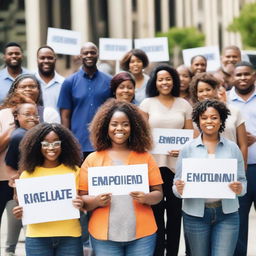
<point>213,204</point>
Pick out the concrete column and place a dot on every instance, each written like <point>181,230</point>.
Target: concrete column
<point>188,10</point>
<point>215,20</point>
<point>146,18</point>
<point>128,19</point>
<point>195,13</point>
<point>79,19</point>
<point>165,13</point>
<point>207,22</point>
<point>238,41</point>
<point>116,19</point>
<point>32,15</point>
<point>179,13</point>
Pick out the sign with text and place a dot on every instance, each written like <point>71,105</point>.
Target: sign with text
<point>47,198</point>
<point>170,139</point>
<point>113,48</point>
<point>118,179</point>
<point>155,48</point>
<point>208,178</point>
<point>211,53</point>
<point>64,41</point>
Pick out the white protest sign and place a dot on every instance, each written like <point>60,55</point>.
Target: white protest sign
<point>64,41</point>
<point>208,178</point>
<point>211,53</point>
<point>114,48</point>
<point>155,48</point>
<point>118,179</point>
<point>47,198</point>
<point>170,139</point>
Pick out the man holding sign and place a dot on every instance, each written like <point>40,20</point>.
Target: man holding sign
<point>211,223</point>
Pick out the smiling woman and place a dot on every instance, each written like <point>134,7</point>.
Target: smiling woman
<point>125,142</point>
<point>218,236</point>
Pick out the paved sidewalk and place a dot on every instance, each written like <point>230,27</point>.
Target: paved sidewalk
<point>21,252</point>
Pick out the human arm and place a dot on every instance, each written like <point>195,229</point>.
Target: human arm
<point>250,138</point>
<point>153,197</point>
<point>242,141</point>
<point>65,115</point>
<point>5,137</point>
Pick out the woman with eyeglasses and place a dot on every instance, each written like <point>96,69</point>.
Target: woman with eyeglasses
<point>51,149</point>
<point>24,89</point>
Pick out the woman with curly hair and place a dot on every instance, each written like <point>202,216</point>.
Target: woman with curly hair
<point>204,86</point>
<point>46,150</point>
<point>165,109</point>
<point>124,224</point>
<point>135,61</point>
<point>211,225</point>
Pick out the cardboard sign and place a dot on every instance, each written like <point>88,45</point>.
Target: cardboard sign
<point>155,48</point>
<point>211,53</point>
<point>113,48</point>
<point>208,178</point>
<point>47,198</point>
<point>118,179</point>
<point>64,41</point>
<point>170,139</point>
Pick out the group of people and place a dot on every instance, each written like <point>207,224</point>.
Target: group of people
<point>107,121</point>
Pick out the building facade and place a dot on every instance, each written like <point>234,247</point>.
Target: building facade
<point>26,21</point>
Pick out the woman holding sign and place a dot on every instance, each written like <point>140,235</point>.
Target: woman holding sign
<point>121,224</point>
<point>165,109</point>
<point>211,225</point>
<point>51,149</point>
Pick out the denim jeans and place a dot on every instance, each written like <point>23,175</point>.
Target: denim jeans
<point>245,203</point>
<point>214,234</point>
<point>54,246</point>
<point>140,247</point>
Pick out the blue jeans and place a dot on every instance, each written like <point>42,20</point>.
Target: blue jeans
<point>245,203</point>
<point>140,247</point>
<point>54,246</point>
<point>214,234</point>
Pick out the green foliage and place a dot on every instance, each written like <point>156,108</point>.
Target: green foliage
<point>245,24</point>
<point>183,38</point>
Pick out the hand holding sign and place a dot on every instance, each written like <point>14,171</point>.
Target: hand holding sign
<point>103,200</point>
<point>17,212</point>
<point>236,187</point>
<point>180,186</point>
<point>139,196</point>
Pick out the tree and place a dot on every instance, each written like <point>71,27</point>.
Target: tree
<point>182,38</point>
<point>245,24</point>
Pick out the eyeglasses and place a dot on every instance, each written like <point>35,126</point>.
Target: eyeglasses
<point>55,144</point>
<point>30,115</point>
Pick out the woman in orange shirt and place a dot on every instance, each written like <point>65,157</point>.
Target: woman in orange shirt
<point>123,224</point>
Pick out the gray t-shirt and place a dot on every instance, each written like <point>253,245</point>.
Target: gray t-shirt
<point>122,220</point>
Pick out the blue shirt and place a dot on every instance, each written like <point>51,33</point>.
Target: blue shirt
<point>51,90</point>
<point>247,109</point>
<point>83,95</point>
<point>196,149</point>
<point>6,81</point>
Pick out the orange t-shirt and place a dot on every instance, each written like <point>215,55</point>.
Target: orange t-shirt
<point>145,221</point>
